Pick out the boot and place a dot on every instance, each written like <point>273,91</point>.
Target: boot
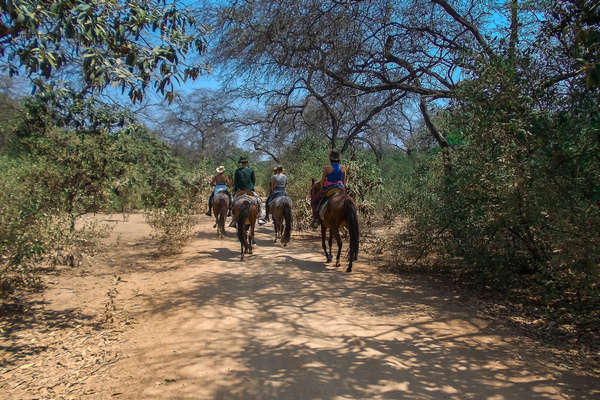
<point>314,224</point>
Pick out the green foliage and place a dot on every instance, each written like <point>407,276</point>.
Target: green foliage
<point>32,227</point>
<point>9,118</point>
<point>521,197</point>
<point>177,201</point>
<point>60,165</point>
<point>128,44</point>
<point>576,23</point>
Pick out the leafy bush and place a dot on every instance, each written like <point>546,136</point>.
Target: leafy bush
<point>32,228</point>
<point>522,195</point>
<point>178,198</point>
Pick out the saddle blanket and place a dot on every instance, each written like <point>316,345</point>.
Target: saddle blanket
<point>329,194</point>
<point>242,197</point>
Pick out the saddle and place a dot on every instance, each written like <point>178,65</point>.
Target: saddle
<point>328,195</point>
<point>277,194</point>
<point>245,195</point>
<point>244,192</point>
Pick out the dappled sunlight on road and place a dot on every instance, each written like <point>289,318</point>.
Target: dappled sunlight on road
<point>283,325</point>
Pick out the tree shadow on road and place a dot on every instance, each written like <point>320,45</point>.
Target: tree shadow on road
<point>19,318</point>
<point>310,333</point>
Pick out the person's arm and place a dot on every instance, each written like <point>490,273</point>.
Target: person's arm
<point>236,179</point>
<point>252,178</point>
<point>344,175</point>
<point>227,181</point>
<point>272,185</point>
<point>324,177</point>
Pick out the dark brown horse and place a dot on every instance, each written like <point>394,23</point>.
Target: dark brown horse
<point>340,211</point>
<point>245,213</point>
<point>281,211</point>
<point>220,206</point>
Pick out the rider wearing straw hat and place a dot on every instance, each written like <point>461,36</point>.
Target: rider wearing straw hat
<point>221,183</point>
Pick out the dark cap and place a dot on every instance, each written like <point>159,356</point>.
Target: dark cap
<point>243,159</point>
<point>334,155</point>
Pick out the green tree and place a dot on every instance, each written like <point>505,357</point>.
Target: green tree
<point>130,44</point>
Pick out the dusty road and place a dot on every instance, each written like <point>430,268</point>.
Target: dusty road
<point>280,325</point>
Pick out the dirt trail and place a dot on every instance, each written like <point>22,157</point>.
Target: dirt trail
<point>280,325</point>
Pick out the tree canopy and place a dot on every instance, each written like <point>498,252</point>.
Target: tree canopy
<point>129,44</point>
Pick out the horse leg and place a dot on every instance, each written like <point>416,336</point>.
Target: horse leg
<point>243,246</point>
<point>275,228</point>
<point>251,241</point>
<point>338,239</point>
<point>222,221</point>
<point>323,235</point>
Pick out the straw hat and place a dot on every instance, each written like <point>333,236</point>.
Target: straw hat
<point>221,169</point>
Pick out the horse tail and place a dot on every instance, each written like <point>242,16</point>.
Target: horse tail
<point>223,207</point>
<point>243,215</point>
<point>352,223</point>
<point>287,215</point>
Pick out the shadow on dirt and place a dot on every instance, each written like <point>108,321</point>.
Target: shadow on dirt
<point>20,317</point>
<point>327,351</point>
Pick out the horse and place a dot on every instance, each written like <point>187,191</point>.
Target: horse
<point>281,210</point>
<point>220,206</point>
<point>245,213</point>
<point>340,211</point>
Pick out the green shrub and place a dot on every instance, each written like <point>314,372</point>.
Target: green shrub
<point>521,198</point>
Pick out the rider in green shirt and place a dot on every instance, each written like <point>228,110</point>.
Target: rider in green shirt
<point>244,179</point>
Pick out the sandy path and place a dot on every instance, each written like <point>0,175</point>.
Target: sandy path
<point>282,325</point>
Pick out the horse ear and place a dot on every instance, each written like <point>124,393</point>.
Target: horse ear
<point>313,180</point>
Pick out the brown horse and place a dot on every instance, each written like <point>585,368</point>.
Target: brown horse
<point>281,210</point>
<point>340,211</point>
<point>245,213</point>
<point>220,206</point>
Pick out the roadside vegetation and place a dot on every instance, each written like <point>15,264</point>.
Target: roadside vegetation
<point>485,140</point>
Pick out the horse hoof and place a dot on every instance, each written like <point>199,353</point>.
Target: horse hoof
<point>349,269</point>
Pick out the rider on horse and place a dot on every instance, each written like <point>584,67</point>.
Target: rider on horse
<point>334,176</point>
<point>277,188</point>
<point>244,180</point>
<point>221,183</point>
